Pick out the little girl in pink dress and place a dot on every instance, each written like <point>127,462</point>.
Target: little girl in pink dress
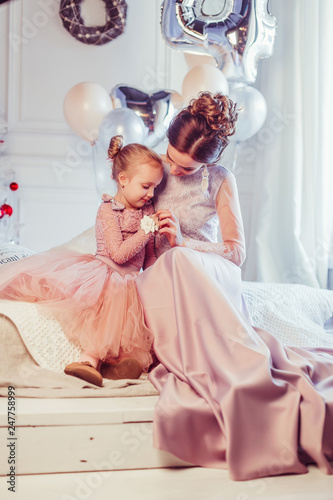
<point>94,297</point>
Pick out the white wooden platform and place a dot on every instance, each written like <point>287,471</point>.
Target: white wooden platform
<point>101,449</point>
<point>78,435</point>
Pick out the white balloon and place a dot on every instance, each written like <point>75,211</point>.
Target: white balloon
<point>85,105</point>
<point>203,78</point>
<point>252,112</point>
<point>177,100</point>
<point>122,121</point>
<point>192,59</point>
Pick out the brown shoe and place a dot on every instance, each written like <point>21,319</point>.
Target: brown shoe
<point>85,371</point>
<point>125,368</point>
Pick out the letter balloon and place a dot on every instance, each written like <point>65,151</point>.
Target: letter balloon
<point>236,32</point>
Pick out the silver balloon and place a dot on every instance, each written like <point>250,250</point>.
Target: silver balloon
<point>156,110</point>
<point>102,170</point>
<point>236,32</point>
<point>123,122</point>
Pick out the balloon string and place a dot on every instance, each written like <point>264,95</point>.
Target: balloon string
<point>94,158</point>
<point>234,163</point>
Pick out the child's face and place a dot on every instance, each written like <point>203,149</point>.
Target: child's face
<point>139,185</point>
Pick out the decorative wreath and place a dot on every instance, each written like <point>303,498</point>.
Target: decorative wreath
<point>70,13</point>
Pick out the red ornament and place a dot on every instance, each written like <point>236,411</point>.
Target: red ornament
<point>13,186</point>
<point>6,209</point>
<point>2,213</point>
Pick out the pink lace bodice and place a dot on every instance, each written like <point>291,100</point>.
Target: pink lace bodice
<point>119,236</point>
<point>202,214</point>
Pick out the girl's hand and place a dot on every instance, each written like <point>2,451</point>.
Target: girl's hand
<point>156,219</point>
<point>169,225</point>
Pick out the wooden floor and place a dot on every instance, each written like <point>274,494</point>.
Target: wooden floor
<point>73,449</point>
<point>168,484</point>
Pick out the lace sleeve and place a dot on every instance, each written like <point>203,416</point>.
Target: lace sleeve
<point>232,246</point>
<point>150,256</point>
<point>209,247</point>
<point>120,251</point>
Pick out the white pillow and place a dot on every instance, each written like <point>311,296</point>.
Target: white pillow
<point>293,313</point>
<point>84,243</point>
<point>10,252</point>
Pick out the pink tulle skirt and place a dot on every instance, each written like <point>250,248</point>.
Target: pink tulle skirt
<point>97,307</point>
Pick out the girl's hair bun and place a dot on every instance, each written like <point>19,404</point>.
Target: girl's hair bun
<point>129,157</point>
<point>219,111</point>
<point>115,146</point>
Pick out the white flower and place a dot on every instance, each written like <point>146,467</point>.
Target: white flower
<point>148,224</point>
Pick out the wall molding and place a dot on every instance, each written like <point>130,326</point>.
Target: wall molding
<point>4,23</point>
<point>18,42</point>
<point>53,166</point>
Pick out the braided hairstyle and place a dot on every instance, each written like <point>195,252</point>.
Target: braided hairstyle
<point>126,158</point>
<point>202,129</point>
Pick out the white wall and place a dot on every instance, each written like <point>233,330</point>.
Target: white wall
<point>40,62</point>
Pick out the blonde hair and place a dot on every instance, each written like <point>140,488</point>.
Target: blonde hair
<point>126,158</point>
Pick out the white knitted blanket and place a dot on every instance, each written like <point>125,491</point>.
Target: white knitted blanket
<point>295,314</point>
<point>42,335</point>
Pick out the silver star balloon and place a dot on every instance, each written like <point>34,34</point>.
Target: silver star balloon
<point>156,110</point>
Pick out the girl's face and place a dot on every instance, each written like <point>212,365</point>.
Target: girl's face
<point>139,184</point>
<point>181,163</point>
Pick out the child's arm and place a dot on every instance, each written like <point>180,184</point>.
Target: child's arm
<point>150,252</point>
<point>150,256</point>
<point>107,226</point>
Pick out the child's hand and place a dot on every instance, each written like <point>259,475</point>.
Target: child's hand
<point>156,219</point>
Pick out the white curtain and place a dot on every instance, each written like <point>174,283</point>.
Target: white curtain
<point>291,222</point>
